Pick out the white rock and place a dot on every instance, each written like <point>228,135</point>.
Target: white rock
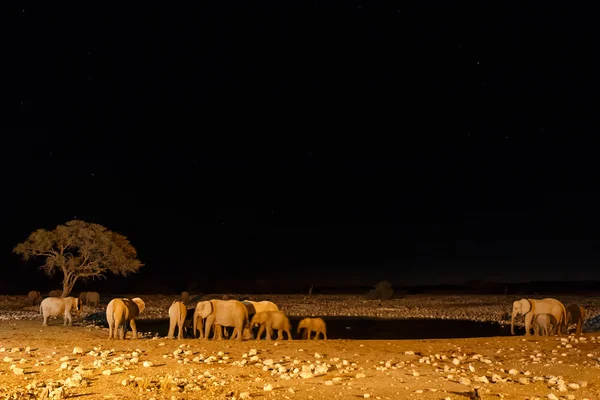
<point>268,387</point>
<point>18,371</point>
<point>306,374</point>
<point>552,396</point>
<point>464,381</point>
<point>106,372</point>
<point>147,364</point>
<point>366,395</point>
<point>77,350</point>
<point>574,386</point>
<point>244,395</point>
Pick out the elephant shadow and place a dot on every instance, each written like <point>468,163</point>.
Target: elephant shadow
<point>97,317</point>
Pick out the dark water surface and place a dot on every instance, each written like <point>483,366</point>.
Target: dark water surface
<point>380,328</point>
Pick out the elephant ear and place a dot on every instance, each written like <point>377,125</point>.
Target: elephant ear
<point>140,303</point>
<point>206,309</point>
<point>526,306</point>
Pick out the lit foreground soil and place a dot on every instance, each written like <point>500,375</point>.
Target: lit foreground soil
<point>39,362</point>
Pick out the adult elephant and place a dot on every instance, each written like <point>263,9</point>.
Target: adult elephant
<point>121,311</point>
<point>92,299</point>
<point>224,313</point>
<point>576,315</point>
<point>35,297</point>
<point>260,306</point>
<point>530,308</point>
<point>55,293</point>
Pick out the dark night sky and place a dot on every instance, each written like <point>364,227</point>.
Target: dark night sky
<point>423,142</point>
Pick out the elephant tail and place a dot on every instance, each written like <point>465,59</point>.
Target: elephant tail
<point>41,312</point>
<point>110,318</point>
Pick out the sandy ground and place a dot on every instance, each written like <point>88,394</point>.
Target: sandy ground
<point>37,358</point>
<point>39,362</point>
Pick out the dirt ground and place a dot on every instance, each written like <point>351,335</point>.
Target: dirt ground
<point>38,362</point>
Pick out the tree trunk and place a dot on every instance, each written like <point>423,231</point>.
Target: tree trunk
<point>68,283</point>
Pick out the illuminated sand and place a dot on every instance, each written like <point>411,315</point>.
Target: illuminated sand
<point>514,367</point>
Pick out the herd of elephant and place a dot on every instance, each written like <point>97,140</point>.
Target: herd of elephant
<point>91,299</point>
<point>215,315</point>
<point>547,316</point>
<point>242,316</point>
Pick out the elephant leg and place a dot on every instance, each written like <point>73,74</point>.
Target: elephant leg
<point>310,333</point>
<point>528,319</point>
<point>261,329</point>
<point>279,334</point>
<point>181,328</point>
<point>180,333</point>
<point>324,335</point>
<point>45,323</point>
<point>207,326</point>
<point>172,324</point>
<point>134,329</point>
<point>238,333</point>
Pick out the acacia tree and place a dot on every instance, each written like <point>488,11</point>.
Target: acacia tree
<point>80,249</point>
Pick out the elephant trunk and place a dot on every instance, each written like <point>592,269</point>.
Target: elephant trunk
<point>195,326</point>
<point>512,323</point>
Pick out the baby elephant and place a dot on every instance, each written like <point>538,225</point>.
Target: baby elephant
<point>177,314</point>
<point>121,311</point>
<point>316,325</point>
<point>544,325</point>
<point>55,306</point>
<point>272,320</point>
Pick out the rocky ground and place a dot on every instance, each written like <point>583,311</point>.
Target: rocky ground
<point>57,362</point>
<point>64,362</point>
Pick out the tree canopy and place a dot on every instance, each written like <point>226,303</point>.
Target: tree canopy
<point>80,249</point>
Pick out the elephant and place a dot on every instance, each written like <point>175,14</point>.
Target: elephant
<point>34,297</point>
<point>272,320</point>
<point>55,293</point>
<point>254,307</point>
<point>92,299</point>
<point>576,315</point>
<point>316,325</point>
<point>260,306</point>
<point>177,314</point>
<point>82,297</point>
<point>121,311</point>
<point>198,321</point>
<point>223,313</point>
<point>532,307</point>
<point>544,324</point>
<point>55,306</point>
<point>185,296</point>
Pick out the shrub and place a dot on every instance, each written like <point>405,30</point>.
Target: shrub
<point>382,291</point>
